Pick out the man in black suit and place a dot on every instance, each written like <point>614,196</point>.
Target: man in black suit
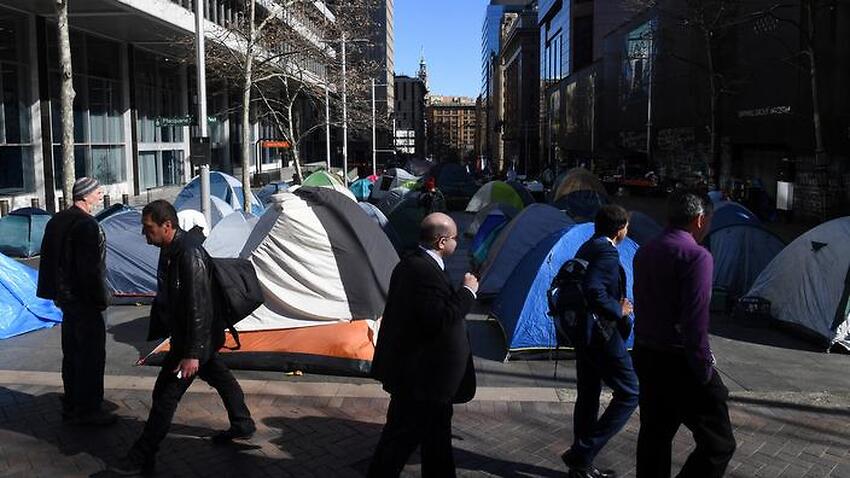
<point>601,354</point>
<point>423,356</point>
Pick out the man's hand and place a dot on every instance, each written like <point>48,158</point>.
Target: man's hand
<point>626,307</point>
<point>187,368</point>
<point>470,281</point>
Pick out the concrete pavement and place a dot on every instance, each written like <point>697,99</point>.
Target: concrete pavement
<point>789,407</point>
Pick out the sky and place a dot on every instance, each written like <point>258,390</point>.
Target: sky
<point>450,33</point>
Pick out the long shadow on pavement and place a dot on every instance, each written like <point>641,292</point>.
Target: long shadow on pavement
<point>133,332</point>
<point>185,452</point>
<point>761,333</point>
<point>347,445</point>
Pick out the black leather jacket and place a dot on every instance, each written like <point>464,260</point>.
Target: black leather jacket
<point>183,307</point>
<point>72,268</point>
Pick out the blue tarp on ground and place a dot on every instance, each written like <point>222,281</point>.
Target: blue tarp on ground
<point>223,186</point>
<point>21,232</point>
<point>519,236</point>
<point>741,252</point>
<point>130,261</point>
<point>20,310</point>
<point>522,308</point>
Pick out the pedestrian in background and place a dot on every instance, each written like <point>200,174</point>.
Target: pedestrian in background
<point>673,359</point>
<point>601,355</point>
<point>72,274</point>
<point>423,356</point>
<point>183,311</point>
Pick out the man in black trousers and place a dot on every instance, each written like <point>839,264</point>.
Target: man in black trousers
<point>601,355</point>
<point>72,274</point>
<point>183,310</point>
<point>423,356</point>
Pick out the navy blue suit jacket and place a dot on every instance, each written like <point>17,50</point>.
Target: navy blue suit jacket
<point>604,282</point>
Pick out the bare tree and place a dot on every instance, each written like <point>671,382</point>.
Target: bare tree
<point>67,103</point>
<point>277,54</point>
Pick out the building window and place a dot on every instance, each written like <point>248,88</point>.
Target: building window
<point>98,108</point>
<point>15,138</point>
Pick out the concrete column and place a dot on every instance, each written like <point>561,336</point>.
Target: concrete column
<point>34,170</point>
<point>131,183</point>
<point>184,95</point>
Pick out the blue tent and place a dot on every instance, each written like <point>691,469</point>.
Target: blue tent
<point>521,309</point>
<point>362,188</point>
<point>642,228</point>
<point>741,252</point>
<point>266,192</point>
<point>21,232</point>
<point>524,194</point>
<point>581,205</point>
<point>727,213</point>
<point>453,180</point>
<point>492,222</point>
<point>130,261</point>
<point>379,217</point>
<point>20,310</point>
<point>223,186</point>
<point>519,236</point>
<point>480,252</point>
<point>113,209</point>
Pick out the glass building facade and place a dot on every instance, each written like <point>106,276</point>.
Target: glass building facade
<point>16,146</point>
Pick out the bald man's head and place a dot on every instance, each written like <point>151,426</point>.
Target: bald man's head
<point>438,232</point>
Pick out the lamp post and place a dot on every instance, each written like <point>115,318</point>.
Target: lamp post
<point>327,126</point>
<point>344,41</point>
<point>201,67</point>
<point>374,129</point>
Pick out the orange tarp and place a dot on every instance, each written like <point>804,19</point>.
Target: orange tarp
<point>350,340</point>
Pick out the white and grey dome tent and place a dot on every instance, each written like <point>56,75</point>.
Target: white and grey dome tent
<point>808,283</point>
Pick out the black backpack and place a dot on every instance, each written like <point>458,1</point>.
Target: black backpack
<point>567,303</point>
<point>236,291</point>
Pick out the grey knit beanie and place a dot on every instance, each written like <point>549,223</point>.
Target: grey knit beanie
<point>84,186</point>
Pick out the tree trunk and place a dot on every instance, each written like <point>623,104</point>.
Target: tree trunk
<point>66,96</point>
<point>820,159</point>
<point>247,84</point>
<point>714,127</point>
<point>296,156</point>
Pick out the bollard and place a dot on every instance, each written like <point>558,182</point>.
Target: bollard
<point>61,204</point>
<point>4,207</point>
<point>106,201</point>
<point>35,203</point>
<point>125,199</point>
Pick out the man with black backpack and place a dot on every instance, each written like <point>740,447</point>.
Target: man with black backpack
<point>598,334</point>
<point>184,310</point>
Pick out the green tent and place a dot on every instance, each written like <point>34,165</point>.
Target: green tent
<point>495,192</point>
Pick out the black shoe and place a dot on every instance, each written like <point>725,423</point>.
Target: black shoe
<point>591,472</point>
<point>133,465</point>
<point>231,434</point>
<point>97,418</point>
<point>578,470</point>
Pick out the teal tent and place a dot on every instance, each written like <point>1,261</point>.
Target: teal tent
<point>21,232</point>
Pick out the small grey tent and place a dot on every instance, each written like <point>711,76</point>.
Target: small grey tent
<point>808,283</point>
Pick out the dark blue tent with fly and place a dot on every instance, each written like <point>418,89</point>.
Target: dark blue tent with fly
<point>130,261</point>
<point>21,232</point>
<point>20,310</point>
<point>727,213</point>
<point>741,252</point>
<point>642,228</point>
<point>581,205</point>
<point>521,309</point>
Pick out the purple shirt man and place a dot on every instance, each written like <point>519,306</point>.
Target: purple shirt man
<point>672,290</point>
<point>672,357</point>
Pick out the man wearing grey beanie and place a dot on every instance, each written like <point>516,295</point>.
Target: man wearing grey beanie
<point>72,273</point>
